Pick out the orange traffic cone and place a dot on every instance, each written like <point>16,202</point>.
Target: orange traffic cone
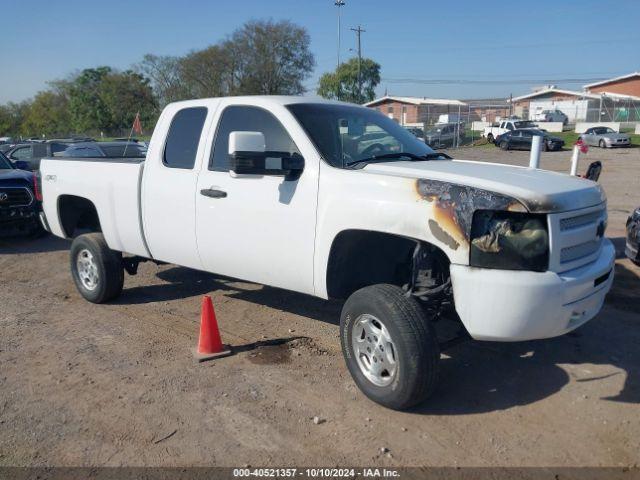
<point>209,344</point>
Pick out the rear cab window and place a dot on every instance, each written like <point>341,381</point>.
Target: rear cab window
<point>183,138</point>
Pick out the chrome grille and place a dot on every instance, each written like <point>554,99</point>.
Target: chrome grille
<point>576,237</point>
<point>15,197</point>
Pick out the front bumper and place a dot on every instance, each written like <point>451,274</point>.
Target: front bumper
<point>507,306</point>
<point>18,221</point>
<point>614,144</point>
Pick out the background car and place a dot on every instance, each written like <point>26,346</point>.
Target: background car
<point>551,116</point>
<point>605,137</point>
<point>104,149</point>
<point>443,135</point>
<point>32,153</point>
<point>633,237</point>
<point>20,204</point>
<point>522,140</point>
<point>418,132</point>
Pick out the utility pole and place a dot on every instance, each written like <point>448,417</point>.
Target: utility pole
<point>339,3</point>
<point>359,31</point>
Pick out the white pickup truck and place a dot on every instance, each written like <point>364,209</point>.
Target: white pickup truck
<point>338,201</point>
<point>498,128</point>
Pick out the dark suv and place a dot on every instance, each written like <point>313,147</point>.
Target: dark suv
<point>32,153</point>
<point>20,201</point>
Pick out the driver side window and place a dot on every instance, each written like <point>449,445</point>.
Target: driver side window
<point>240,118</point>
<point>22,153</point>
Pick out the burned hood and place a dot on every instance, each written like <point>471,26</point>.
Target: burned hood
<point>540,191</point>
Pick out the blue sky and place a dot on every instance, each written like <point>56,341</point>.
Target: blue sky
<point>493,52</point>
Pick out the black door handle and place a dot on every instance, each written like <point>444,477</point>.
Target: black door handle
<point>208,192</point>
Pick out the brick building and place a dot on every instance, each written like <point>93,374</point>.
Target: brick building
<point>624,85</point>
<point>416,110</point>
<point>573,104</point>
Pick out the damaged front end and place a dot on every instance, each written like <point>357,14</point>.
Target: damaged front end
<point>509,241</point>
<point>498,230</point>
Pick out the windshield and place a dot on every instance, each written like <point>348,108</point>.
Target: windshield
<point>5,164</point>
<point>346,134</point>
<point>524,124</point>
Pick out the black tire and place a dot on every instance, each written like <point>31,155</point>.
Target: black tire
<point>504,145</point>
<point>545,146</point>
<point>490,138</point>
<point>109,271</point>
<point>416,348</point>
<point>602,144</point>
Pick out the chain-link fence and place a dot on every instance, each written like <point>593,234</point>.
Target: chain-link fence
<point>612,109</point>
<point>453,125</point>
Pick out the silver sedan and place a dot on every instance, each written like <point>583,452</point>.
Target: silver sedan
<point>605,137</point>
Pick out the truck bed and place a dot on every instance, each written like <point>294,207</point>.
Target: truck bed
<point>112,184</point>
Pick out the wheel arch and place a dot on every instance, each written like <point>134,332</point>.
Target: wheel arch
<point>77,213</point>
<point>359,258</point>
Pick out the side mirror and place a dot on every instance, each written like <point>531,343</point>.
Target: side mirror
<point>248,156</point>
<point>21,165</point>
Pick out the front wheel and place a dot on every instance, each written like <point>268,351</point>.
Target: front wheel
<point>603,144</point>
<point>96,269</point>
<point>390,346</point>
<point>504,145</point>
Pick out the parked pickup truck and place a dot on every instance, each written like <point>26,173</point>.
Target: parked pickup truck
<point>498,128</point>
<point>338,201</point>
<point>19,201</point>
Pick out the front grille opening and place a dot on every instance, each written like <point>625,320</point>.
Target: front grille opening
<point>580,221</point>
<point>576,252</point>
<point>14,197</point>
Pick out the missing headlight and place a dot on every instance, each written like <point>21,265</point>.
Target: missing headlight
<point>509,241</point>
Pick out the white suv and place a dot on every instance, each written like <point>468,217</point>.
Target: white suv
<point>551,116</point>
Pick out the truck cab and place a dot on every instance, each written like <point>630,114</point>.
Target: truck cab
<point>338,201</point>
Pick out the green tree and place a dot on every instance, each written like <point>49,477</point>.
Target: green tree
<point>12,116</point>
<point>86,105</point>
<point>261,57</point>
<point>207,73</point>
<point>48,114</point>
<point>123,94</point>
<point>164,73</point>
<point>105,100</point>
<point>345,83</point>
<point>269,58</point>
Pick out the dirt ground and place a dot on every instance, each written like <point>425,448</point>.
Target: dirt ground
<point>115,384</point>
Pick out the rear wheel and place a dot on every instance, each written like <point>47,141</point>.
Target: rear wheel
<point>96,269</point>
<point>602,144</point>
<point>490,138</point>
<point>390,346</point>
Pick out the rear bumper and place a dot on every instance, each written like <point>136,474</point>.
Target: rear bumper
<point>500,305</point>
